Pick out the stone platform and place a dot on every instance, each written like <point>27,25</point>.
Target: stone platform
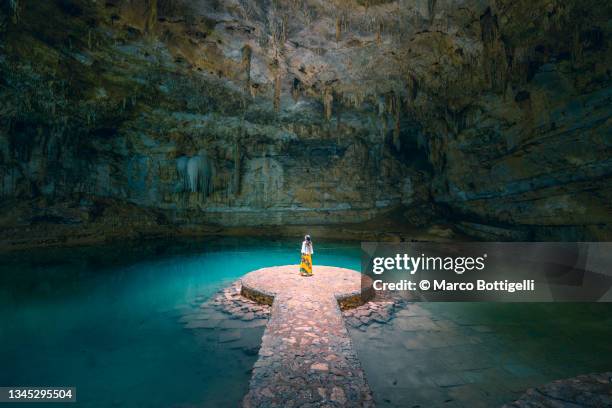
<point>306,357</point>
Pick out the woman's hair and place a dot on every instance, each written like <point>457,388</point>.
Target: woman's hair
<point>307,238</point>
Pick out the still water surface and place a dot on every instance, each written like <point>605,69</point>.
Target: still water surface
<point>108,320</point>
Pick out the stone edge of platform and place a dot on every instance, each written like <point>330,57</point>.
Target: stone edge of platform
<point>256,295</point>
<point>345,300</point>
<point>355,299</point>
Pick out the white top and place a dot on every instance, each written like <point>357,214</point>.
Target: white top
<point>307,249</point>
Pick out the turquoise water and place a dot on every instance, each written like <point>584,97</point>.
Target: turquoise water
<point>481,354</point>
<point>107,320</point>
<point>110,320</point>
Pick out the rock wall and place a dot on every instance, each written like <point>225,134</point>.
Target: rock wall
<point>248,112</point>
<point>531,153</point>
<point>148,103</point>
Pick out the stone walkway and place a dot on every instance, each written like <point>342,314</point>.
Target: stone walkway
<point>443,357</point>
<point>306,357</point>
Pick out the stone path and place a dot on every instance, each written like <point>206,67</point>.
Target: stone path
<point>419,358</point>
<point>306,357</point>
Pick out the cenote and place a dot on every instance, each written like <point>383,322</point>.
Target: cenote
<point>212,122</point>
<point>110,320</point>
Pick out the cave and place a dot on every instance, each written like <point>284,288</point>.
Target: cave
<point>148,129</point>
<point>443,121</point>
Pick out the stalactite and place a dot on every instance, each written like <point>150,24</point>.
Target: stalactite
<point>338,28</point>
<point>359,98</point>
<point>277,25</point>
<point>246,65</point>
<point>328,101</point>
<point>199,172</point>
<point>196,173</point>
<point>431,9</point>
<point>296,89</point>
<point>412,87</point>
<point>284,29</point>
<point>383,134</point>
<point>277,86</point>
<point>350,99</point>
<point>308,14</point>
<point>193,174</point>
<point>396,103</point>
<point>576,47</point>
<point>237,166</point>
<point>488,27</point>
<point>381,106</point>
<point>151,16</point>
<point>520,64</point>
<point>181,169</point>
<point>14,4</point>
<point>495,63</point>
<point>338,116</point>
<point>265,171</point>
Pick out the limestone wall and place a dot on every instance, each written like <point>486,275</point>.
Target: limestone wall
<point>496,113</point>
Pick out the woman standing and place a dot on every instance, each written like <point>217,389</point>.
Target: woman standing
<point>307,251</point>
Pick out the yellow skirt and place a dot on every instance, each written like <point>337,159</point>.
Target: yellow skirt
<point>306,265</point>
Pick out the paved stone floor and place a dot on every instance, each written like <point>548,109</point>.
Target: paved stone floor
<point>415,355</point>
<point>306,357</point>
